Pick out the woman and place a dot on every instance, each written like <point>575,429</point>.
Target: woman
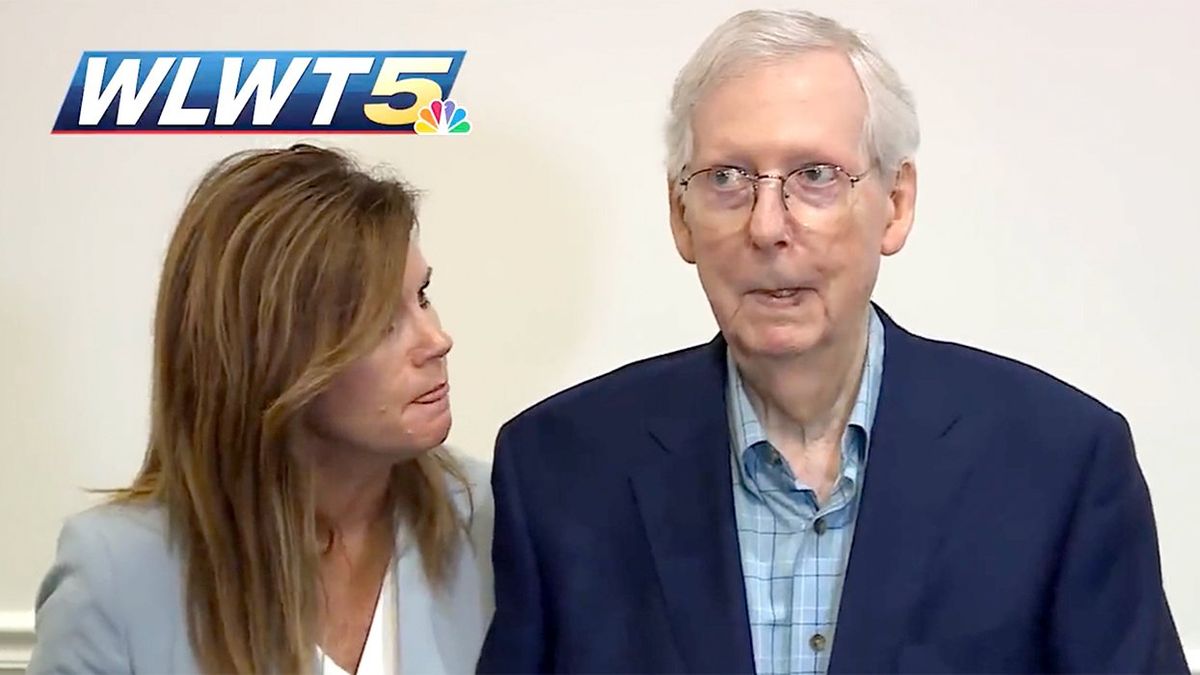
<point>295,511</point>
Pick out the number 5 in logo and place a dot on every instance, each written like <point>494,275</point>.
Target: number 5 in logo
<point>392,81</point>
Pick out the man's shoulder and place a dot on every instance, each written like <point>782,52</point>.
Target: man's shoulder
<point>626,391</point>
<point>975,376</point>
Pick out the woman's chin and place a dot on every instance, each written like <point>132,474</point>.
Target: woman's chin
<point>437,433</point>
<point>417,440</point>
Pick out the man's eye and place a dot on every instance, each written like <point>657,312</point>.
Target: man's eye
<point>820,175</point>
<point>725,179</point>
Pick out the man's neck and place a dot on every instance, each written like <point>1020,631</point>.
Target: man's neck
<point>805,400</point>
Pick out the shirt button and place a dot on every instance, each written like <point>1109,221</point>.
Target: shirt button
<point>820,527</point>
<point>817,642</point>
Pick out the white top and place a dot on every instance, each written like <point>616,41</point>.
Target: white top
<point>379,653</point>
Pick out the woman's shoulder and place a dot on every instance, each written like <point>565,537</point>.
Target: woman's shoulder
<point>472,485</point>
<point>124,543</point>
<point>473,498</point>
<point>113,587</point>
<point>125,532</point>
<point>474,581</point>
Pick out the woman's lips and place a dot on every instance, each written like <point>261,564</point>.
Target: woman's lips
<point>436,394</point>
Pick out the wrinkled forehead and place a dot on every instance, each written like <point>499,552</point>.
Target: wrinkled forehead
<point>809,106</point>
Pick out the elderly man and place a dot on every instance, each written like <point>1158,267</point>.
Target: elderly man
<point>817,489</point>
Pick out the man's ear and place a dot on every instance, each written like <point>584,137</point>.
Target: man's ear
<point>903,205</point>
<point>679,228</point>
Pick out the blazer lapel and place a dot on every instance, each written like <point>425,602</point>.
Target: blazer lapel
<point>917,462</point>
<point>685,498</point>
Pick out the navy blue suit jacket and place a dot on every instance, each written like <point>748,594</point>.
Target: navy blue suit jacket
<point>1005,526</point>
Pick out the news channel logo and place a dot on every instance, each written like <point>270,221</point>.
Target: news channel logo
<point>220,92</point>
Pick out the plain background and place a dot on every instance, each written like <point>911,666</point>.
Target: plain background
<point>1057,219</point>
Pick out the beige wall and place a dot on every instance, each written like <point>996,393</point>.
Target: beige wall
<point>1056,222</point>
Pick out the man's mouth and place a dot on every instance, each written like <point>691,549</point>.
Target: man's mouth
<point>780,292</point>
<point>779,297</point>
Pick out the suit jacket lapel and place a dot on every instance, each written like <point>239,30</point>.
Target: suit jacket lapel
<point>916,464</point>
<point>685,498</point>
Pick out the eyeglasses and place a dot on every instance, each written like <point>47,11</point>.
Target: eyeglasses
<point>816,195</point>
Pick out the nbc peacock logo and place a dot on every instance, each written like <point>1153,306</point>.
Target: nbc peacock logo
<point>441,118</point>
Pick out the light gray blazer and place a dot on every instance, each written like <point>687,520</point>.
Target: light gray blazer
<point>113,601</point>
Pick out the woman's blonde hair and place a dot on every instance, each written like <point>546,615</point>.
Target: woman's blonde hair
<point>284,269</point>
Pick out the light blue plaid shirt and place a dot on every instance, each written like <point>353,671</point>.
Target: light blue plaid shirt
<point>794,553</point>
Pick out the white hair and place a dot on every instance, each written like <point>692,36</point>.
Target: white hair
<point>890,130</point>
